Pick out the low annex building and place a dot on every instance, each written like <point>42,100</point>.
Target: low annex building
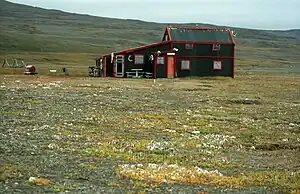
<point>182,52</point>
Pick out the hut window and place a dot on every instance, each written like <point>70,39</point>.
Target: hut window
<point>160,60</point>
<point>216,47</point>
<point>217,65</point>
<point>185,65</point>
<point>138,59</point>
<point>189,46</point>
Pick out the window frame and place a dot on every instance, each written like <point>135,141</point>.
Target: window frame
<point>189,48</point>
<point>217,69</point>
<point>139,55</point>
<point>164,60</point>
<point>216,49</point>
<point>185,69</point>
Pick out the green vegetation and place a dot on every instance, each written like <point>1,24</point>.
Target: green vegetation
<point>62,188</point>
<point>8,171</point>
<point>143,135</point>
<point>175,173</point>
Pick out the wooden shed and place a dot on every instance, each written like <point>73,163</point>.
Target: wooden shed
<point>182,52</point>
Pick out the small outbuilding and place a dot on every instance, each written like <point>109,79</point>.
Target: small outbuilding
<point>182,52</point>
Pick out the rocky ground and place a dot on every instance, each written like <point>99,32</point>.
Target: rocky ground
<point>90,135</point>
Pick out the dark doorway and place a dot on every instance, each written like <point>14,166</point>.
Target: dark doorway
<point>150,64</point>
<point>109,67</point>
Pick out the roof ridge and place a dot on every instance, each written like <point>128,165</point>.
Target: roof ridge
<point>197,28</point>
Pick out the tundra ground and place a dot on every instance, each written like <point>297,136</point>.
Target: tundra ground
<point>87,135</point>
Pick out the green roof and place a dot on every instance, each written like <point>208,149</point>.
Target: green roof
<point>201,35</point>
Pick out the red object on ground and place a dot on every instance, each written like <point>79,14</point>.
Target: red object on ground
<point>30,68</point>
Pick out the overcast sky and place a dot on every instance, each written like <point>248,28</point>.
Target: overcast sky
<point>261,14</point>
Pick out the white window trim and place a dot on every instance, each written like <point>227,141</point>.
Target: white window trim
<point>189,62</point>
<point>220,68</point>
<point>218,48</point>
<point>135,59</point>
<point>187,48</point>
<point>160,62</point>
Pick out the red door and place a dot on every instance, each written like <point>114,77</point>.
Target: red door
<point>170,66</point>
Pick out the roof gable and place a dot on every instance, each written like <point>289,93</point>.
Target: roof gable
<point>217,35</point>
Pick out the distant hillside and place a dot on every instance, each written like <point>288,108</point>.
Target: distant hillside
<point>26,28</point>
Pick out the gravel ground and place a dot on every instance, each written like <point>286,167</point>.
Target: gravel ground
<point>73,135</point>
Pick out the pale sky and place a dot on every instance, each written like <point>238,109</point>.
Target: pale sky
<point>260,14</point>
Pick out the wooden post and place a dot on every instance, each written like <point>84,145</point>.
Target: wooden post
<point>155,64</point>
<point>104,67</point>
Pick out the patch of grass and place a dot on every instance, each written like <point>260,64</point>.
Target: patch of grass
<point>297,191</point>
<point>280,179</point>
<point>277,146</point>
<point>33,102</point>
<point>174,174</point>
<point>62,187</point>
<point>12,113</point>
<point>146,121</point>
<point>113,185</point>
<point>191,120</point>
<point>8,171</point>
<point>215,113</point>
<point>145,184</point>
<point>160,152</point>
<point>198,128</point>
<point>137,192</point>
<point>153,116</point>
<point>89,166</point>
<point>112,152</point>
<point>76,64</point>
<point>245,101</point>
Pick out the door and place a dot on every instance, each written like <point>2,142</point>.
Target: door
<point>170,65</point>
<point>119,65</point>
<point>109,67</point>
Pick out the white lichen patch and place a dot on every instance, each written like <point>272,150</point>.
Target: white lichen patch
<point>211,141</point>
<point>170,131</point>
<point>166,173</point>
<point>160,146</point>
<point>53,146</point>
<point>216,141</point>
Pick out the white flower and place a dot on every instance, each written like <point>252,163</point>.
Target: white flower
<point>32,179</point>
<point>170,130</point>
<point>173,166</point>
<point>52,146</point>
<point>152,165</point>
